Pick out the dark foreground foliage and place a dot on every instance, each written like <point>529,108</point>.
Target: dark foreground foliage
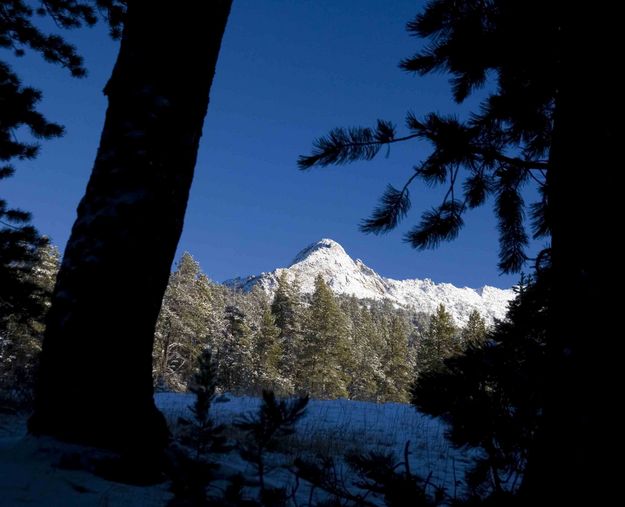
<point>493,395</point>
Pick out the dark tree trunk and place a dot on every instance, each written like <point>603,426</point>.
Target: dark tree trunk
<point>95,382</point>
<point>567,465</point>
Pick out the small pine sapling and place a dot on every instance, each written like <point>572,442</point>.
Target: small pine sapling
<point>204,434</point>
<point>275,420</point>
<point>380,473</point>
<point>327,475</point>
<point>191,474</point>
<point>377,474</point>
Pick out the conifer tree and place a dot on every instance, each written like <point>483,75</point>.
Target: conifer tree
<point>548,121</point>
<point>438,343</point>
<point>366,374</point>
<point>474,331</point>
<point>285,302</point>
<point>21,335</point>
<point>20,243</point>
<point>268,352</point>
<point>181,327</point>
<point>324,357</point>
<point>398,363</point>
<point>256,302</point>
<point>276,419</point>
<point>205,435</point>
<point>490,399</point>
<point>215,318</point>
<point>236,355</point>
<point>117,261</point>
<point>286,309</point>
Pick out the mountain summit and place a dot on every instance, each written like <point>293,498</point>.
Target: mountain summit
<point>323,247</point>
<point>347,276</point>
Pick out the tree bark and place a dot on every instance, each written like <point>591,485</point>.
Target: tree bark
<point>95,383</point>
<point>567,465</point>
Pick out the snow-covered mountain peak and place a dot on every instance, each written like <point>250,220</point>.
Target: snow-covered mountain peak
<point>344,275</point>
<point>323,249</point>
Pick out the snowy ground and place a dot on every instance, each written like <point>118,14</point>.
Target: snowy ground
<point>30,475</point>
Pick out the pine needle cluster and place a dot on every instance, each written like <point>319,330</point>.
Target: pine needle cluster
<point>495,153</point>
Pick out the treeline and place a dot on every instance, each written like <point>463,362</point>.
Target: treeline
<point>322,344</point>
<point>22,323</point>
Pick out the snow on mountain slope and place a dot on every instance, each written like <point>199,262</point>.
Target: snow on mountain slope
<point>347,276</point>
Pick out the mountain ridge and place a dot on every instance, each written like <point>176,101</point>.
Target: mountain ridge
<point>345,275</point>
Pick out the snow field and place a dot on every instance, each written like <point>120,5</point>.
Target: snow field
<point>339,427</point>
<point>30,474</point>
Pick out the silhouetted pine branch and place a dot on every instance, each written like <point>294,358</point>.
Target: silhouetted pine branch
<point>21,31</point>
<point>510,132</point>
<point>476,188</point>
<point>512,236</point>
<point>394,204</point>
<point>539,218</point>
<point>342,145</point>
<point>439,224</point>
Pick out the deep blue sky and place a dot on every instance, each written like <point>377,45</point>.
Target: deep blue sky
<point>288,72</point>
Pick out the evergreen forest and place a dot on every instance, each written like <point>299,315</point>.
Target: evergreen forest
<point>322,344</point>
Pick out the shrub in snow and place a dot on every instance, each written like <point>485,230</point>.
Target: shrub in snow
<point>275,419</point>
